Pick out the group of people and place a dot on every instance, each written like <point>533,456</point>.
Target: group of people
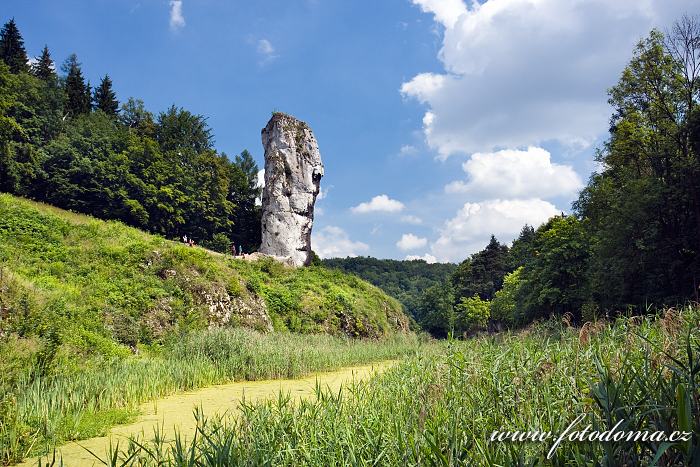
<point>187,241</point>
<point>235,252</point>
<point>232,249</point>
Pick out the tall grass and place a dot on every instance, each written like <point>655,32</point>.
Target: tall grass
<point>38,412</point>
<point>440,408</point>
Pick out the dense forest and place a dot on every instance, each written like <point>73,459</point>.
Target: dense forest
<point>404,280</point>
<point>78,148</point>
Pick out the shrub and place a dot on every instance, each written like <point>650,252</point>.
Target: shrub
<point>472,314</point>
<point>219,242</point>
<point>505,301</point>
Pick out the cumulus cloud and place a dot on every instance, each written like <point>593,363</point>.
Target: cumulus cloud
<point>469,231</point>
<point>334,242</point>
<point>521,72</point>
<point>446,11</point>
<point>260,184</point>
<point>380,203</point>
<point>516,174</point>
<point>428,258</point>
<point>177,19</point>
<point>411,242</point>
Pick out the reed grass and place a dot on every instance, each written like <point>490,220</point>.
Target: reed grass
<point>38,412</point>
<point>440,407</point>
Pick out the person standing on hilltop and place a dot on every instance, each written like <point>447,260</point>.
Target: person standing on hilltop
<point>233,249</point>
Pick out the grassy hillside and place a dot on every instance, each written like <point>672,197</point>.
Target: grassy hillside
<point>103,287</point>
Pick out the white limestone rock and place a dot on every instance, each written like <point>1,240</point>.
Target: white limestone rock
<point>293,171</point>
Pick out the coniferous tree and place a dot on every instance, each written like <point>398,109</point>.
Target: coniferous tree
<point>87,102</point>
<point>105,99</point>
<point>12,50</point>
<point>77,92</point>
<point>44,66</point>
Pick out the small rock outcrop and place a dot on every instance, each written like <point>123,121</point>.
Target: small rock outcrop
<point>293,171</point>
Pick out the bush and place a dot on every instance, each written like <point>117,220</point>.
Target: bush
<point>219,242</point>
<point>472,314</point>
<point>505,301</point>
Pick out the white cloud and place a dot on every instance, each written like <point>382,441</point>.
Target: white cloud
<point>323,193</point>
<point>266,51</point>
<point>411,219</point>
<point>261,184</point>
<point>428,258</point>
<point>521,72</point>
<point>470,230</point>
<point>265,47</point>
<point>334,242</point>
<point>380,203</point>
<point>446,11</point>
<point>177,20</point>
<point>516,174</point>
<point>411,242</point>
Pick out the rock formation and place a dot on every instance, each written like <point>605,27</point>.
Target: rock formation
<point>293,171</point>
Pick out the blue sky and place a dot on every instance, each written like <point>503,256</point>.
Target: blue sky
<point>439,122</point>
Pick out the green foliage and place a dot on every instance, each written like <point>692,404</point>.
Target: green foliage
<point>504,305</point>
<point>521,251</point>
<point>219,242</point>
<point>12,50</point>
<point>404,280</point>
<point>555,280</point>
<point>243,193</point>
<point>472,314</point>
<point>436,312</point>
<point>181,130</point>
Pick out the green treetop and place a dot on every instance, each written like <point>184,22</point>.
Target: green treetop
<point>43,68</point>
<point>105,99</point>
<point>12,50</point>
<point>77,92</point>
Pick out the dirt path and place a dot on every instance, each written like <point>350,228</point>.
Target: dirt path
<point>177,410</point>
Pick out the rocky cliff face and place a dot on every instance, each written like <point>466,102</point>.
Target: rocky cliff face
<point>293,171</point>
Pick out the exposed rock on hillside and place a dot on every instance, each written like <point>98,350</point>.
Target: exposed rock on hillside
<point>293,171</point>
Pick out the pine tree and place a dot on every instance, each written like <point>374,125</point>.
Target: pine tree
<point>77,92</point>
<point>12,50</point>
<point>105,99</point>
<point>44,66</point>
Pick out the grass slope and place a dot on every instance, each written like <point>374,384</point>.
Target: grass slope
<point>101,286</point>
